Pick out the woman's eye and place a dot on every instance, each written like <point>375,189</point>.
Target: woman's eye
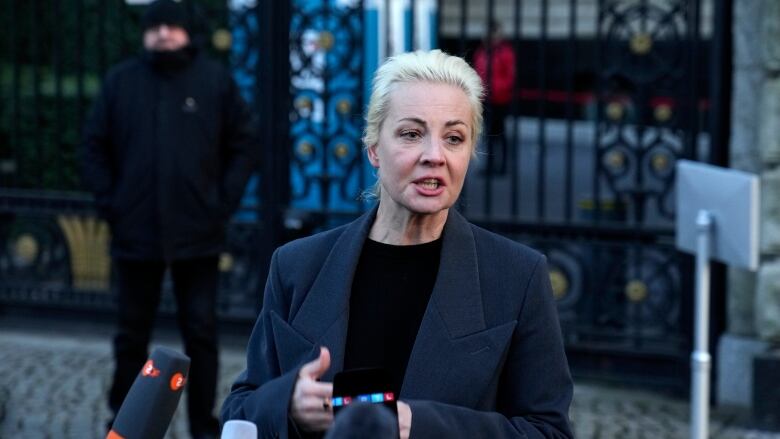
<point>411,135</point>
<point>454,140</point>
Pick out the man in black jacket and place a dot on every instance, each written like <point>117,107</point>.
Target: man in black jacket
<point>168,150</point>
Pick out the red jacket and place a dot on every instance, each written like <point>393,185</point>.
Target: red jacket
<point>502,71</point>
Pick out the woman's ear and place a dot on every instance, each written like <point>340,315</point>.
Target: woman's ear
<point>373,157</point>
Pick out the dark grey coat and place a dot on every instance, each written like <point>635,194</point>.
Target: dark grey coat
<point>488,361</point>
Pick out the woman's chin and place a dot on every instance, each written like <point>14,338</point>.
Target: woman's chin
<point>427,206</point>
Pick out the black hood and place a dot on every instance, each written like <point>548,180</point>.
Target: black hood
<point>166,12</point>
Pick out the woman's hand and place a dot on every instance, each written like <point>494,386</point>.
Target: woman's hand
<point>404,419</point>
<point>310,407</point>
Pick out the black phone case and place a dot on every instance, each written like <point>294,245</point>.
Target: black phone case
<point>354,382</point>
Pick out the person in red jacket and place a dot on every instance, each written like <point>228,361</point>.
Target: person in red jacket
<point>498,75</point>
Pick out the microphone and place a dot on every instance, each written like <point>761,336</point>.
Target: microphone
<point>149,405</point>
<point>239,429</point>
<point>364,420</point>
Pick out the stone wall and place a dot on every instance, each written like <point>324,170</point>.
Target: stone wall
<point>754,298</point>
<point>768,286</point>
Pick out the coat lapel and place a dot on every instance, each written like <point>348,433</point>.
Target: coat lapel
<point>454,312</point>
<point>323,315</point>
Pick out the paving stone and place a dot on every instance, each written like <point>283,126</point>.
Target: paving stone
<point>55,386</point>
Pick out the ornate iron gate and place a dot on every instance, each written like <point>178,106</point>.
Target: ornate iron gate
<point>607,96</point>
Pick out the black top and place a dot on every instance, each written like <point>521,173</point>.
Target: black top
<point>390,292</point>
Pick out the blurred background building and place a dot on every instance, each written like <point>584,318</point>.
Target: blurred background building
<point>607,96</point>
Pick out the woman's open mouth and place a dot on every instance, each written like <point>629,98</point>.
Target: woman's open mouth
<point>429,183</point>
<point>429,186</point>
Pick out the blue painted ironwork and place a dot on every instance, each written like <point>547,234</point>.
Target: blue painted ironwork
<point>326,60</point>
<point>245,52</point>
<point>244,59</point>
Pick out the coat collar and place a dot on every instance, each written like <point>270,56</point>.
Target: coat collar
<point>455,309</point>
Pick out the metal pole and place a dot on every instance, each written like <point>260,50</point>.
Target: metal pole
<point>700,358</point>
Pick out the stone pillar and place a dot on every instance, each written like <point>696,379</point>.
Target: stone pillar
<point>754,298</point>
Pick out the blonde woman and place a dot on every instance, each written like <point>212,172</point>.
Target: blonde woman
<point>462,319</point>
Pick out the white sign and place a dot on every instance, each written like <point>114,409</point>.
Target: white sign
<point>731,197</point>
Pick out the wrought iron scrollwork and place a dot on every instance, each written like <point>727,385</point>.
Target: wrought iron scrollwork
<point>615,293</point>
<point>642,293</point>
<point>645,123</point>
<point>645,41</point>
<point>568,279</point>
<point>245,51</point>
<point>326,83</point>
<point>34,259</point>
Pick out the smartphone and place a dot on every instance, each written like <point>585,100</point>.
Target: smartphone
<point>370,385</point>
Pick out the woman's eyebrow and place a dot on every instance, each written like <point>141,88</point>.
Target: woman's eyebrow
<point>413,119</point>
<point>417,120</point>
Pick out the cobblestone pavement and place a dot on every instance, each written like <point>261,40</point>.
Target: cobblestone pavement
<point>53,385</point>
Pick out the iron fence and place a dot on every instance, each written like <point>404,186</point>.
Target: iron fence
<point>607,96</point>
<point>53,249</point>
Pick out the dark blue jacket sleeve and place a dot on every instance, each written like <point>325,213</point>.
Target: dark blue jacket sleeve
<point>262,393</point>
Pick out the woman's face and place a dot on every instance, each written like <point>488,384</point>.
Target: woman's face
<point>424,147</point>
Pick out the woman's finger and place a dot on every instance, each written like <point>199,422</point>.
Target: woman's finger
<point>317,368</point>
<point>404,419</point>
<point>310,406</point>
<point>315,406</point>
<point>311,415</point>
<point>314,402</point>
<point>307,387</point>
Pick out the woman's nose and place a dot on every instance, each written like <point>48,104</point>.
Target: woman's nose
<point>433,152</point>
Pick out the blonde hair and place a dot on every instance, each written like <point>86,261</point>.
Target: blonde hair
<point>421,66</point>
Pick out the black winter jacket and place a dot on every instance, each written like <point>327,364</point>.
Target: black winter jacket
<point>167,155</point>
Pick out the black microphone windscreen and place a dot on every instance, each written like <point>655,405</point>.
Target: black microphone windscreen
<point>364,420</point>
<point>149,405</point>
